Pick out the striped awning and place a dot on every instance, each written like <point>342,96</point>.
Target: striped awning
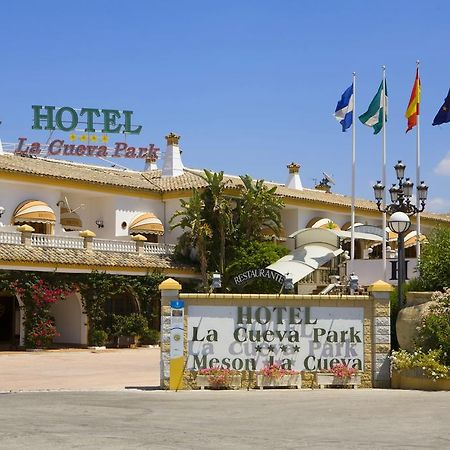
<point>34,211</point>
<point>70,220</point>
<point>146,223</point>
<point>411,239</point>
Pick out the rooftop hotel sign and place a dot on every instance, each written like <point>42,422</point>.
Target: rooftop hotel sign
<point>67,119</point>
<point>300,338</point>
<point>89,121</point>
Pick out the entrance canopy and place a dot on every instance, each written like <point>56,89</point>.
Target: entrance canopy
<point>316,246</point>
<point>34,211</point>
<point>146,223</point>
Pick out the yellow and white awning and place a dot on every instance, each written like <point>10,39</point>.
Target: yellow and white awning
<point>34,211</point>
<point>411,239</point>
<point>70,220</point>
<point>146,223</point>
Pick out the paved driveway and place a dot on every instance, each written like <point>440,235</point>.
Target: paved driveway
<point>79,370</point>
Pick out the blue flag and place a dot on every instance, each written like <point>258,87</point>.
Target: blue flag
<point>344,109</point>
<point>443,115</point>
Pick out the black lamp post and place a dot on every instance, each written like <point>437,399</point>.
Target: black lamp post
<point>400,211</point>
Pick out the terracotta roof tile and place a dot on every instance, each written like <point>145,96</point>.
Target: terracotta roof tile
<point>59,256</point>
<point>153,181</point>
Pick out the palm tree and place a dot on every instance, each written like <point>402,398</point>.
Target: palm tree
<point>218,210</point>
<point>192,218</point>
<point>259,207</point>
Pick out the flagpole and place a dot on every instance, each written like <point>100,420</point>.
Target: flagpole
<point>383,169</point>
<point>352,245</point>
<point>418,167</point>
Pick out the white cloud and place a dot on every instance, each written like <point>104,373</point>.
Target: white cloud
<point>443,167</point>
<point>438,205</point>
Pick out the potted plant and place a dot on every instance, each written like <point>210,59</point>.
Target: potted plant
<point>218,378</point>
<point>274,375</point>
<point>339,375</point>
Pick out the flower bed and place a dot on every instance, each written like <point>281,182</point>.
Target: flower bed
<point>276,376</point>
<point>217,378</point>
<point>338,375</point>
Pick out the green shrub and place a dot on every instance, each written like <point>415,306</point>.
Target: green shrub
<point>434,332</point>
<point>131,325</point>
<point>434,263</point>
<point>150,337</point>
<point>428,362</point>
<point>98,338</point>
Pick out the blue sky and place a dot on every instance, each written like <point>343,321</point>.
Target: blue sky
<point>249,85</point>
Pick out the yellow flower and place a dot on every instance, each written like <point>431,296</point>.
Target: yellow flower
<point>104,138</point>
<point>94,138</point>
<point>83,138</point>
<point>73,137</point>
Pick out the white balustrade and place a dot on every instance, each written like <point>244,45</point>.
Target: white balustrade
<point>10,237</point>
<point>46,240</point>
<point>158,249</point>
<point>107,245</point>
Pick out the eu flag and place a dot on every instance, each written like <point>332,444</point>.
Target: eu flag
<point>443,115</point>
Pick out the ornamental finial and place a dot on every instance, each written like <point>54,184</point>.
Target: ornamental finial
<point>172,139</point>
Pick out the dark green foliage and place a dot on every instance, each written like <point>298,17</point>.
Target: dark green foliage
<point>217,223</point>
<point>251,255</point>
<point>434,264</point>
<point>150,337</point>
<point>99,338</point>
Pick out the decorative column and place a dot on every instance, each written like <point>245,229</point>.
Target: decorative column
<point>170,289</point>
<point>26,231</point>
<point>139,240</point>
<point>88,236</point>
<point>381,333</point>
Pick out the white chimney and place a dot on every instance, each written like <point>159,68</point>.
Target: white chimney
<point>294,181</point>
<point>150,160</point>
<point>173,166</point>
<point>1,147</point>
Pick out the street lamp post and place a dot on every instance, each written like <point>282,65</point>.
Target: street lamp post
<point>400,211</point>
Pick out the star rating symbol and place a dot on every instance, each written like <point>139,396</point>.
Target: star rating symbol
<point>283,348</point>
<point>94,138</point>
<point>258,348</point>
<point>73,137</point>
<point>296,348</point>
<point>83,138</point>
<point>271,348</point>
<point>104,139</point>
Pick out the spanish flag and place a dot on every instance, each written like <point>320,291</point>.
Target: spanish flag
<point>413,107</point>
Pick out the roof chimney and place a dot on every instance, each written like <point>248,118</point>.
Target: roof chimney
<point>173,166</point>
<point>294,181</point>
<point>1,147</point>
<point>150,160</point>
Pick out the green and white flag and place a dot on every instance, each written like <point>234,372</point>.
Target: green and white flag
<point>373,117</point>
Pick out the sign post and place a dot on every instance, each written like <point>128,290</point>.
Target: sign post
<point>176,344</point>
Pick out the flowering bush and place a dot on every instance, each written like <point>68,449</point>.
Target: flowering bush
<point>429,362</point>
<point>434,331</point>
<point>276,371</point>
<point>37,296</point>
<point>342,371</point>
<point>218,377</point>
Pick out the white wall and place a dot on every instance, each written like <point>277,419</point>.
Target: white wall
<point>371,270</point>
<point>70,321</point>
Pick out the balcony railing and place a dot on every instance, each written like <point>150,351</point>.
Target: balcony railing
<point>67,242</point>
<point>107,245</point>
<point>45,240</point>
<point>10,237</point>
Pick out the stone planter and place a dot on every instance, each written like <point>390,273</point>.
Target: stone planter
<point>415,379</point>
<point>329,379</point>
<point>283,381</point>
<point>234,382</point>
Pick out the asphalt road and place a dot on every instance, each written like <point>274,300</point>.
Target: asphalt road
<point>282,419</point>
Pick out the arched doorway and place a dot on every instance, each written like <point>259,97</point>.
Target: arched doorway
<point>9,321</point>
